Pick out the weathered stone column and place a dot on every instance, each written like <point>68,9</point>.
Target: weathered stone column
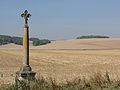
<point>25,73</point>
<point>26,46</point>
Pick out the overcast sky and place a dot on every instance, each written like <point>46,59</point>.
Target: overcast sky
<point>61,19</point>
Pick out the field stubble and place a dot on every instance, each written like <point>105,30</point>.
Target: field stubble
<point>61,64</point>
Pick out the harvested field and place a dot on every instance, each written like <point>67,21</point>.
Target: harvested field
<point>106,43</point>
<point>60,64</point>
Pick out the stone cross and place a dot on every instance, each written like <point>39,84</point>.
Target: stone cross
<point>25,73</point>
<point>26,15</point>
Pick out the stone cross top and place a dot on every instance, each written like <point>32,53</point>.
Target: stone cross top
<point>26,15</point>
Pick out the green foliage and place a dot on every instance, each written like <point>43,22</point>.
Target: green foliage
<point>41,42</point>
<point>4,39</point>
<point>37,42</point>
<point>96,82</point>
<point>33,39</point>
<point>17,40</point>
<point>91,36</point>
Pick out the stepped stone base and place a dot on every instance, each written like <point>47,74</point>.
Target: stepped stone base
<point>25,74</point>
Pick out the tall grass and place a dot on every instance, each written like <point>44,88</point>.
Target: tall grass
<point>95,82</point>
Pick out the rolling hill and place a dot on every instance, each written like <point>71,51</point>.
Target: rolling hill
<point>75,61</point>
<point>112,43</point>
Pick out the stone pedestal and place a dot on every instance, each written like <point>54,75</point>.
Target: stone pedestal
<point>25,74</point>
<point>24,77</point>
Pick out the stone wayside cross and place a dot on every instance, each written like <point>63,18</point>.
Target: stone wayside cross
<point>26,15</point>
<point>25,73</point>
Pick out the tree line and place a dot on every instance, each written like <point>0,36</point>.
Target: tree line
<point>37,42</point>
<point>5,39</point>
<point>91,36</point>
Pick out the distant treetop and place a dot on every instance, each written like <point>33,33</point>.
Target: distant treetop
<point>5,39</point>
<point>92,36</point>
<point>37,42</point>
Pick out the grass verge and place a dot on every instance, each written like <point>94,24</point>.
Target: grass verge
<point>95,82</point>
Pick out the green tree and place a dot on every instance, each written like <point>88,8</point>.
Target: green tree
<point>17,40</point>
<point>92,36</point>
<point>41,42</point>
<point>33,39</point>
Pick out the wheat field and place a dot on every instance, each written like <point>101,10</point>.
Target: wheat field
<point>61,64</point>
